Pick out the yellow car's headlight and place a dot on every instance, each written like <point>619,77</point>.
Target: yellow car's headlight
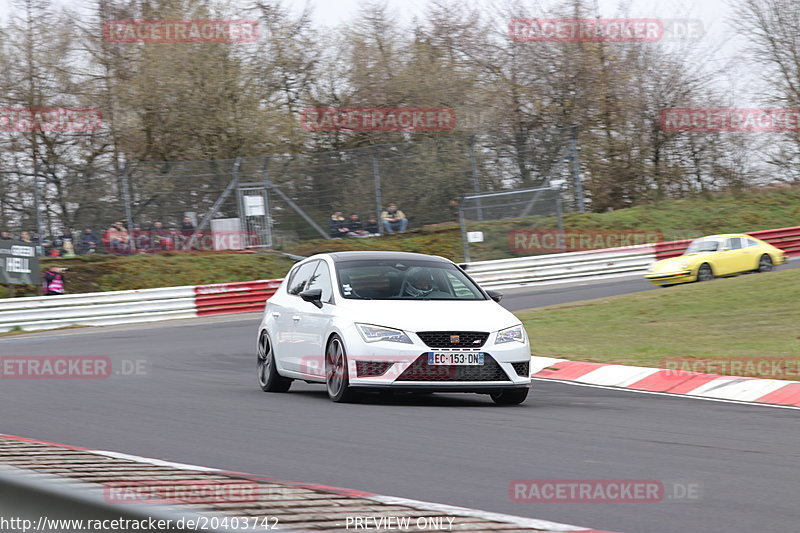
<point>684,265</point>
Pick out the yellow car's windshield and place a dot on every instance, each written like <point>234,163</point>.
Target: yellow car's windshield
<point>703,245</point>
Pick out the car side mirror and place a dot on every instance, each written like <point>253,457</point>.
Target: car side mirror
<point>495,295</point>
<point>463,266</point>
<point>314,296</point>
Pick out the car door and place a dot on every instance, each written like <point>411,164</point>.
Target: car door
<point>311,327</point>
<point>289,315</point>
<point>732,258</point>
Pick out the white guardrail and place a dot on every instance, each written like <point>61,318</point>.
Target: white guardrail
<point>572,267</point>
<point>97,308</point>
<point>151,305</point>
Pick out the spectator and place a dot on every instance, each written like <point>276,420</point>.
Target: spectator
<point>372,226</point>
<point>336,226</point>
<point>160,237</point>
<point>89,241</point>
<point>356,227</point>
<point>118,238</point>
<point>394,219</point>
<point>140,239</point>
<point>455,209</point>
<point>25,237</point>
<point>66,237</point>
<point>5,236</point>
<point>54,281</point>
<point>187,224</point>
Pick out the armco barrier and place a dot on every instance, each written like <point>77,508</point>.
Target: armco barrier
<point>787,239</point>
<point>126,307</point>
<point>240,297</point>
<point>150,305</point>
<point>97,308</point>
<point>560,268</point>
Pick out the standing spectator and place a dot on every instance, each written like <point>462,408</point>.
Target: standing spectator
<point>336,226</point>
<point>187,224</point>
<point>118,238</point>
<point>356,227</point>
<point>89,241</point>
<point>25,237</point>
<point>394,219</point>
<point>160,237</point>
<point>140,239</point>
<point>53,282</point>
<point>455,209</point>
<point>372,226</point>
<point>5,236</point>
<point>66,237</point>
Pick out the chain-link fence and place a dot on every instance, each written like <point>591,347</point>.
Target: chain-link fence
<point>279,199</point>
<point>491,223</point>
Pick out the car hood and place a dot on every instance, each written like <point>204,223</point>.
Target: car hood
<point>431,315</point>
<point>676,263</point>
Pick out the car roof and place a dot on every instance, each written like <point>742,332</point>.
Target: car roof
<point>726,235</point>
<point>339,257</point>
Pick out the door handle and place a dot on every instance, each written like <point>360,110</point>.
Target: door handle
<point>296,318</point>
<point>276,314</point>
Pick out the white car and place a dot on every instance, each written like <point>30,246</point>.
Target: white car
<point>390,320</point>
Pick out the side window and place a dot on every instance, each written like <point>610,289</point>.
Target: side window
<point>734,243</point>
<point>301,278</point>
<point>749,242</point>
<point>322,280</point>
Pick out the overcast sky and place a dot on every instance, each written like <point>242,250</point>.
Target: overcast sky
<point>714,14</point>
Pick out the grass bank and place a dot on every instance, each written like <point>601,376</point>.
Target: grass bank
<point>750,316</point>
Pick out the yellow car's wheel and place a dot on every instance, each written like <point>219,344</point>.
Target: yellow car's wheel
<point>765,263</point>
<point>704,273</point>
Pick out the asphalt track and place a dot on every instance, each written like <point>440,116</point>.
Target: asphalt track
<point>199,403</point>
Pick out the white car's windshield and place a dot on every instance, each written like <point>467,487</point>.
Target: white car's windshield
<point>703,245</point>
<point>404,280</point>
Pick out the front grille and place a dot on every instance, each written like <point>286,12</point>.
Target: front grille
<point>372,368</point>
<point>522,369</point>
<point>453,339</point>
<point>420,370</point>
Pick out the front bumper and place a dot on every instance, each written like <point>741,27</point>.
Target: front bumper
<point>670,278</point>
<point>407,366</point>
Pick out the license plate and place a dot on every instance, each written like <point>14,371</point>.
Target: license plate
<point>455,358</point>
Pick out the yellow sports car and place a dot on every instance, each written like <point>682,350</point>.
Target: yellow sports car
<point>716,256</point>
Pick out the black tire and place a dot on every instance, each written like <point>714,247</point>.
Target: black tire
<point>510,396</point>
<point>705,273</point>
<point>268,377</point>
<point>337,380</point>
<point>765,264</point>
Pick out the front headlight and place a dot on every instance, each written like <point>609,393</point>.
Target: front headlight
<point>372,333</point>
<point>684,265</point>
<point>512,334</point>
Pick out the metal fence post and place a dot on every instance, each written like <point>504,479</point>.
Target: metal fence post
<point>376,178</point>
<point>474,169</point>
<point>37,201</point>
<point>126,196</point>
<point>463,223</point>
<point>576,170</point>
